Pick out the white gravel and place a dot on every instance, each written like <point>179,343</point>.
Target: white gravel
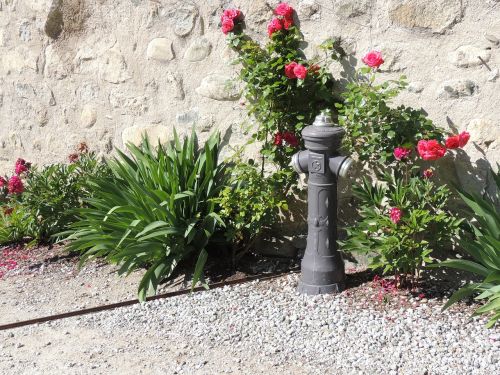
<point>317,335</point>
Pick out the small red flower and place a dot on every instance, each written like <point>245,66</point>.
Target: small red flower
<point>285,10</point>
<point>463,138</point>
<point>287,23</point>
<point>73,157</point>
<point>289,70</point>
<point>395,215</point>
<point>452,142</point>
<point>278,139</point>
<point>428,173</point>
<point>16,186</point>
<point>431,149</point>
<point>7,211</point>
<point>300,71</point>
<point>229,18</point>
<point>314,69</point>
<point>21,166</point>
<point>291,139</point>
<point>274,25</point>
<point>227,25</point>
<point>83,148</point>
<point>373,59</point>
<point>401,153</point>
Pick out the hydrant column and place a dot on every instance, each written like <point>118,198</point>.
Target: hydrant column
<point>322,266</point>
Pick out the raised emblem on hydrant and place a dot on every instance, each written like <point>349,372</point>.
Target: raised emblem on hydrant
<point>322,266</point>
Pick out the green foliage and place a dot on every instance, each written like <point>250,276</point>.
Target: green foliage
<point>156,210</point>
<point>280,104</point>
<point>483,245</point>
<point>14,223</point>
<point>401,247</point>
<point>249,204</point>
<point>53,193</point>
<point>373,127</point>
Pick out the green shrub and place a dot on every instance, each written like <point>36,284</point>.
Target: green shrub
<point>14,223</point>
<point>402,221</point>
<point>483,245</point>
<point>156,210</point>
<point>249,204</point>
<point>52,193</point>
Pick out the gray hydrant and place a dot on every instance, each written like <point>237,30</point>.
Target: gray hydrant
<point>322,266</point>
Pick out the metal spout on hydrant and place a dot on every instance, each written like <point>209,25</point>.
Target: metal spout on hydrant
<point>322,266</point>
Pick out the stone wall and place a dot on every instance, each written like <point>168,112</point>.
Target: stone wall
<point>105,71</point>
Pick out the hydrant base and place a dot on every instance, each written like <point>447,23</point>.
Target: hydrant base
<point>313,290</point>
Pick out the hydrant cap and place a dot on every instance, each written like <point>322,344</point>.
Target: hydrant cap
<point>323,119</point>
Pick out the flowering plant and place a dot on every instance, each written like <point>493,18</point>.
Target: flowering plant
<point>284,91</point>
<point>404,216</point>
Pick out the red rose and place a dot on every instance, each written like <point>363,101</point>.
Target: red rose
<point>278,139</point>
<point>453,142</point>
<point>430,150</point>
<point>234,14</point>
<point>428,173</point>
<point>227,25</point>
<point>285,10</point>
<point>287,23</point>
<point>289,70</point>
<point>274,25</point>
<point>291,139</point>
<point>73,157</point>
<point>463,138</point>
<point>373,59</point>
<point>300,71</point>
<point>15,185</point>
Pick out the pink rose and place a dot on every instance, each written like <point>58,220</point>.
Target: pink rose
<point>227,25</point>
<point>463,138</point>
<point>274,25</point>
<point>291,139</point>
<point>300,71</point>
<point>234,14</point>
<point>373,59</point>
<point>395,215</point>
<point>401,153</point>
<point>289,70</point>
<point>285,10</point>
<point>428,173</point>
<point>430,150</point>
<point>15,185</point>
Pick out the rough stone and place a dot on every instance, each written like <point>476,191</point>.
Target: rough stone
<point>160,49</point>
<point>468,55</point>
<point>485,133</point>
<point>177,83</point>
<point>436,15</point>
<point>416,87</point>
<point>308,8</point>
<point>188,118</point>
<point>54,24</point>
<point>88,117</point>
<point>492,77</point>
<point>219,87</point>
<point>183,16</point>
<point>25,31</point>
<point>457,88</point>
<point>198,50</point>
<point>352,9</point>
<point>54,64</point>
<point>154,133</point>
<point>492,39</point>
<point>114,67</point>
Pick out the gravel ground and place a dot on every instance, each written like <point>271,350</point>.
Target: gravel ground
<point>260,327</point>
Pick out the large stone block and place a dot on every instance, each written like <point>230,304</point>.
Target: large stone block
<point>468,55</point>
<point>219,87</point>
<point>435,15</point>
<point>154,132</point>
<point>113,67</point>
<point>198,50</point>
<point>160,49</point>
